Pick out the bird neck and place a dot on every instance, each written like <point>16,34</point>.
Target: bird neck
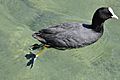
<point>97,24</point>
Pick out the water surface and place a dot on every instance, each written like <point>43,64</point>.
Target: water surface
<point>20,18</point>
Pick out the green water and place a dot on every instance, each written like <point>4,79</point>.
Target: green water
<point>20,18</point>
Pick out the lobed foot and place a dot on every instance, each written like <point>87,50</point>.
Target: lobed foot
<point>35,46</point>
<point>32,58</point>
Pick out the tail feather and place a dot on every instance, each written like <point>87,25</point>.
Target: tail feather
<point>38,37</point>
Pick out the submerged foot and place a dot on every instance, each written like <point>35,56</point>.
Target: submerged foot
<point>31,55</point>
<point>31,58</point>
<point>36,46</point>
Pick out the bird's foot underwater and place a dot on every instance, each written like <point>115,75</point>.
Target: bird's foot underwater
<point>31,57</point>
<point>35,51</point>
<point>34,47</point>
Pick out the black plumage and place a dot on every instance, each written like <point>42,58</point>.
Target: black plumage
<point>74,35</point>
<point>71,35</point>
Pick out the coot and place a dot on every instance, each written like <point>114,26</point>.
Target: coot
<point>75,35</point>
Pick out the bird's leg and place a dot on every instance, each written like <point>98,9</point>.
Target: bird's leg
<point>33,56</point>
<point>41,50</point>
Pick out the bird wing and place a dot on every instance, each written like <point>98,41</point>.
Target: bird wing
<point>59,28</point>
<point>68,35</point>
<point>66,38</point>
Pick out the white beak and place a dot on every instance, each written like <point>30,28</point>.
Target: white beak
<point>113,14</point>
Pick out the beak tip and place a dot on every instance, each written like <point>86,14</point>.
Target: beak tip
<point>115,17</point>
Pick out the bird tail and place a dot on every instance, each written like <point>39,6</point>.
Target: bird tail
<point>38,36</point>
